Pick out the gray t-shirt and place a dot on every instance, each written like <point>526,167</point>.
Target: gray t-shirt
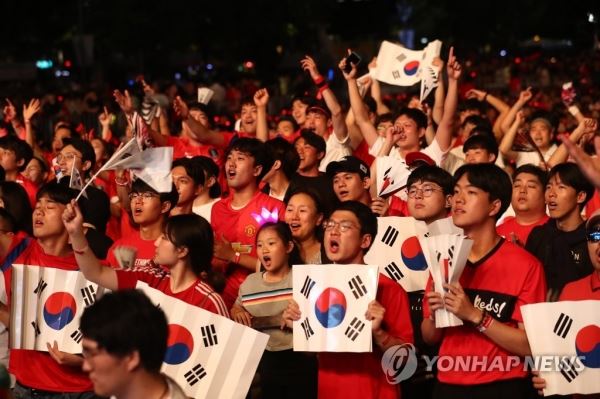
<point>266,302</point>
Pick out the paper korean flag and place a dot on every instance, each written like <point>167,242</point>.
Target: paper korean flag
<point>397,252</point>
<point>570,331</point>
<point>50,305</point>
<point>446,256</point>
<point>397,65</point>
<point>392,174</point>
<point>333,300</point>
<point>208,355</point>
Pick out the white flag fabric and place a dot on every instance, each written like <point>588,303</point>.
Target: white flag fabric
<point>430,74</point>
<point>392,174</point>
<point>397,252</point>
<point>208,355</point>
<point>75,180</point>
<point>399,66</point>
<point>153,166</point>
<point>46,306</point>
<point>446,256</point>
<point>569,330</point>
<point>333,300</point>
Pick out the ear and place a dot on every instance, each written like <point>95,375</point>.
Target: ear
<point>210,182</point>
<point>422,132</point>
<point>448,201</point>
<point>276,165</point>
<point>320,219</point>
<point>367,182</point>
<point>166,207</point>
<point>366,241</point>
<point>495,207</point>
<point>257,170</point>
<point>321,155</point>
<point>581,197</point>
<point>132,361</point>
<point>290,247</point>
<point>85,165</point>
<point>20,163</point>
<point>182,252</point>
<point>491,158</point>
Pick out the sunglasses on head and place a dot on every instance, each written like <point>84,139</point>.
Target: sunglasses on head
<point>593,236</point>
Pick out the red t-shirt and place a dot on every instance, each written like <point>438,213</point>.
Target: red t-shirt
<point>145,250</point>
<point>501,282</point>
<point>184,147</point>
<point>593,204</point>
<point>29,187</point>
<point>511,226</point>
<point>362,152</point>
<point>37,369</point>
<point>198,294</point>
<point>398,207</point>
<point>229,136</point>
<point>239,227</point>
<point>359,375</point>
<point>583,289</point>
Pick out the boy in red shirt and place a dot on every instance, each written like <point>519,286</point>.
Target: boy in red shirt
<point>236,219</point>
<point>498,279</point>
<point>15,155</point>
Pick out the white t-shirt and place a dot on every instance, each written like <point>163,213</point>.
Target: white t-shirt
<point>433,151</point>
<point>523,158</point>
<point>335,151</point>
<point>204,210</point>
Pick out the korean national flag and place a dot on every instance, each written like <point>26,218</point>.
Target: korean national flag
<point>208,355</point>
<point>397,252</point>
<point>333,300</point>
<point>47,305</point>
<point>571,330</point>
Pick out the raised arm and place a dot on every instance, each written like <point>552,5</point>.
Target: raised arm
<point>105,119</point>
<point>261,99</point>
<point>509,138</point>
<point>337,117</point>
<point>586,128</point>
<point>443,135</point>
<point>86,260</point>
<point>524,97</point>
<point>440,93</point>
<point>376,91</point>
<point>198,130</point>
<point>589,166</point>
<point>29,111</point>
<point>498,105</point>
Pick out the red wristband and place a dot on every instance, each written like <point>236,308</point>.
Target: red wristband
<point>319,81</point>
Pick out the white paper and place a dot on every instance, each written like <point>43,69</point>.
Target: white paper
<point>392,174</point>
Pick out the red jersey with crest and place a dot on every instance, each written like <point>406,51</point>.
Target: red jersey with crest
<point>520,231</point>
<point>239,227</point>
<point>37,369</point>
<point>198,294</point>
<point>145,249</point>
<point>505,279</point>
<point>183,147</point>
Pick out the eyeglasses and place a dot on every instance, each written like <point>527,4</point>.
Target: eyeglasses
<point>593,236</point>
<point>425,192</point>
<point>144,196</point>
<point>343,226</point>
<point>69,156</point>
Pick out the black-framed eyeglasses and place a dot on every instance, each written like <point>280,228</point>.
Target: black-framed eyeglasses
<point>343,226</point>
<point>593,236</point>
<point>425,191</point>
<point>144,196</point>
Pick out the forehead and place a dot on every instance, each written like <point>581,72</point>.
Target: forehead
<point>45,199</point>
<point>405,119</point>
<point>301,199</point>
<point>348,216</point>
<point>345,173</point>
<point>527,177</point>
<point>179,171</point>
<point>197,112</point>
<point>423,183</point>
<point>539,124</point>
<point>248,107</point>
<point>70,148</point>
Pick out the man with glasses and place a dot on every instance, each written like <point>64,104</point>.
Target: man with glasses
<point>429,190</point>
<point>149,210</point>
<point>349,233</point>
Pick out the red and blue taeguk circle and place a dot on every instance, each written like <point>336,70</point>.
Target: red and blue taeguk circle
<point>180,344</point>
<point>587,344</point>
<point>330,307</point>
<point>59,310</point>
<point>412,254</point>
<point>411,67</point>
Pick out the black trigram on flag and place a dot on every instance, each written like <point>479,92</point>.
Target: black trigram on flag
<point>77,335</point>
<point>563,325</point>
<point>396,74</point>
<point>357,287</point>
<point>89,295</point>
<point>354,328</point>
<point>390,235</point>
<point>308,285</point>
<point>308,331</point>
<point>195,374</point>
<point>40,286</point>
<point>394,272</point>
<point>209,335</point>
<point>36,328</point>
<point>568,369</point>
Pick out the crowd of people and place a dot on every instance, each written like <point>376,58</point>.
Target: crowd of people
<point>301,186</point>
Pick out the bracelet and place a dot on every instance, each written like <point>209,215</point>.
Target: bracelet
<point>81,251</point>
<point>484,324</point>
<point>320,81</point>
<point>322,88</point>
<point>122,183</point>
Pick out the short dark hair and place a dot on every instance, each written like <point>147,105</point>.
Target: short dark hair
<point>195,233</point>
<point>313,139</point>
<point>288,118</point>
<point>387,117</point>
<point>7,221</point>
<point>491,179</point>
<point>138,325</point>
<point>282,150</point>
<point>57,192</point>
<point>571,175</point>
<point>193,169</point>
<point>366,218</point>
<point>256,149</point>
<point>416,115</point>
<point>247,100</point>
<point>471,104</point>
<point>477,120</point>
<point>21,149</point>
<point>211,169</point>
<point>283,231</point>
<point>481,141</point>
<point>84,147</point>
<point>433,174</point>
<point>16,202</point>
<point>140,186</point>
<point>531,169</point>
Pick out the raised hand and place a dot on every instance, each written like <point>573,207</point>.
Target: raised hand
<point>309,64</point>
<point>477,94</point>
<point>261,97</point>
<point>181,108</point>
<point>453,69</point>
<point>105,118</point>
<point>72,218</point>
<point>525,95</point>
<point>124,101</point>
<point>342,65</point>
<point>31,109</point>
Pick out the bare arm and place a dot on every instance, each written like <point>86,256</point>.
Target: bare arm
<point>440,94</point>
<point>198,130</point>
<point>28,112</point>
<point>261,99</point>
<point>585,128</point>
<point>524,97</point>
<point>444,131</point>
<point>509,138</point>
<point>376,91</point>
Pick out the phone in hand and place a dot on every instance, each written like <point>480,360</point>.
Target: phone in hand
<point>351,59</point>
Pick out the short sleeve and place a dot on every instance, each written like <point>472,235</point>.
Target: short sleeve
<point>533,290</point>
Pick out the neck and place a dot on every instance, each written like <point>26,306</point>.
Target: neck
<point>182,209</point>
<point>202,198</point>
<point>406,151</point>
<point>365,198</point>
<point>570,221</point>
<point>11,175</point>
<point>308,247</point>
<point>279,184</point>
<point>145,385</point>
<point>277,275</point>
<point>55,246</point>
<point>152,230</point>
<point>182,277</point>
<point>435,218</point>
<point>309,172</point>
<point>243,195</point>
<point>484,239</point>
<point>529,217</point>
<point>358,259</point>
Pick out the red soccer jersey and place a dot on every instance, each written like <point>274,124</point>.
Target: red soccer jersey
<point>29,187</point>
<point>583,289</point>
<point>145,250</point>
<point>198,294</point>
<point>501,282</point>
<point>37,369</point>
<point>229,136</point>
<point>362,152</point>
<point>184,147</point>
<point>239,227</point>
<point>511,226</point>
<point>359,375</point>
